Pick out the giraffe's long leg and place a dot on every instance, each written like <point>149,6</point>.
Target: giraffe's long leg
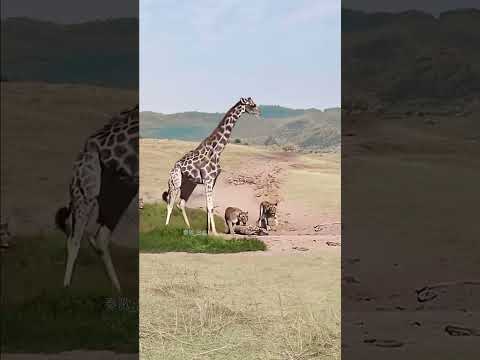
<point>174,188</point>
<point>208,213</point>
<point>85,187</point>
<point>186,191</point>
<point>73,246</point>
<point>210,217</point>
<point>81,216</point>
<point>103,242</point>
<point>93,227</point>
<point>212,222</point>
<point>171,202</point>
<point>184,213</point>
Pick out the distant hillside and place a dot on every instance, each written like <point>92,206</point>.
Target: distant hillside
<point>96,53</point>
<point>310,130</point>
<point>411,57</point>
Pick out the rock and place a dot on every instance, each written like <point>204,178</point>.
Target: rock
<point>384,343</point>
<point>353,260</point>
<point>425,294</point>
<point>350,279</point>
<point>332,243</point>
<point>461,331</point>
<point>300,248</point>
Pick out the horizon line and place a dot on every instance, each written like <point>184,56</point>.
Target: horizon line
<point>370,12</point>
<point>81,22</point>
<point>223,112</point>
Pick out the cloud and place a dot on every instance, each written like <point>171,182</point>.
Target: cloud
<point>281,51</point>
<point>216,20</point>
<point>312,10</point>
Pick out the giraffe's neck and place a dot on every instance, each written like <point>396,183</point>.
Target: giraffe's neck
<point>221,134</point>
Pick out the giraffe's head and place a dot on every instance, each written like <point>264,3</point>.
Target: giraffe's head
<point>250,106</point>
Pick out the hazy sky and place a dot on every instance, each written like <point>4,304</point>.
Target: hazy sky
<point>205,55</point>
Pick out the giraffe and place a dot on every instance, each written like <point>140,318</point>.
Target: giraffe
<point>104,182</point>
<point>201,165</point>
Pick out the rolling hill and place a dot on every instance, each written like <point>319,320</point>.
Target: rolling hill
<point>101,53</point>
<point>404,60</point>
<point>308,129</point>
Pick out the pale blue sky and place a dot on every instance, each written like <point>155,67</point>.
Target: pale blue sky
<point>204,55</point>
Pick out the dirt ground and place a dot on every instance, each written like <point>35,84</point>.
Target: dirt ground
<point>307,187</point>
<point>415,222</point>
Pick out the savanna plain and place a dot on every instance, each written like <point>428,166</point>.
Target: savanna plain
<point>279,303</point>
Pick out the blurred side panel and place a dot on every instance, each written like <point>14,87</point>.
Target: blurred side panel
<point>69,158</point>
<point>410,170</point>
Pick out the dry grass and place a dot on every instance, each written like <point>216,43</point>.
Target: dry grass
<point>242,306</point>
<point>43,127</point>
<point>158,157</point>
<point>317,175</point>
<point>239,307</point>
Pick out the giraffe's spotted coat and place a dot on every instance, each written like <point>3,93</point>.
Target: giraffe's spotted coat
<point>202,165</point>
<point>104,181</point>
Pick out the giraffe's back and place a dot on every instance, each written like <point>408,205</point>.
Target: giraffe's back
<point>117,143</point>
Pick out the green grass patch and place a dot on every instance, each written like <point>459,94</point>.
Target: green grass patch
<point>39,315</point>
<point>166,240</point>
<point>153,217</point>
<point>155,237</point>
<point>54,323</point>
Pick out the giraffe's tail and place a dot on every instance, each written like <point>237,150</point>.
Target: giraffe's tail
<point>165,196</point>
<point>61,219</point>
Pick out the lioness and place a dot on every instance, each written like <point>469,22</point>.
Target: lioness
<point>268,211</point>
<point>235,216</point>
